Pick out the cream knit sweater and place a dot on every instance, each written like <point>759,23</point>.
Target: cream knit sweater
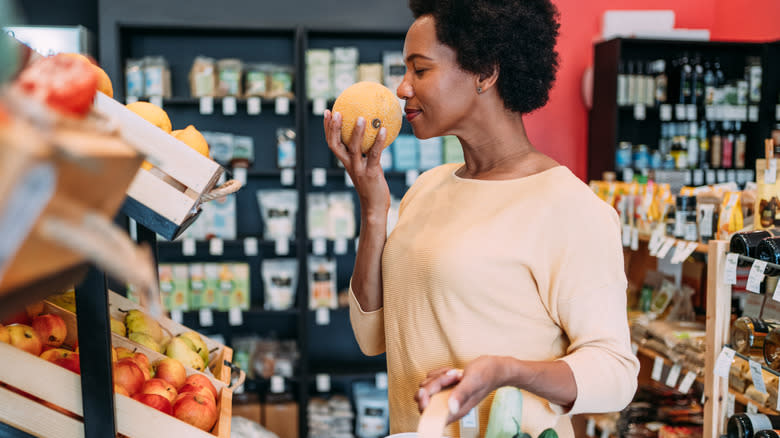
<point>530,268</point>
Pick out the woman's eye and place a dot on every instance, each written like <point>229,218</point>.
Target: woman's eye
<point>420,70</point>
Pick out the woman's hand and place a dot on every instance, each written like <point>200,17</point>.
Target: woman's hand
<point>366,172</point>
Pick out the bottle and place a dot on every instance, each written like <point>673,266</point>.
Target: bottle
<point>639,87</point>
<point>623,156</point>
<point>746,425</point>
<point>692,146</point>
<point>709,84</point>
<point>772,347</point>
<point>768,250</point>
<point>632,80</point>
<point>720,77</point>
<point>704,146</point>
<point>716,145</point>
<point>697,82</point>
<point>650,84</point>
<point>661,81</point>
<point>748,334</point>
<point>727,145</point>
<point>622,85</point>
<point>767,434</point>
<point>740,145</point>
<point>746,243</point>
<point>686,75</point>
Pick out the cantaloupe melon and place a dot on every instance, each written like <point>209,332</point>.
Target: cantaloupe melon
<point>375,103</point>
<point>192,138</point>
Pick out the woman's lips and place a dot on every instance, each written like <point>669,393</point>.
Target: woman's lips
<point>411,114</point>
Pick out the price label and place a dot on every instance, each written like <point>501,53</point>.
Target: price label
<point>216,246</point>
<point>770,174</point>
<point>348,180</point>
<point>250,246</point>
<point>674,375</point>
<point>679,248</point>
<point>634,348</point>
<point>340,246</point>
<point>628,174</point>
<point>411,177</point>
<point>692,246</point>
<point>758,376</point>
<point>206,317</point>
<point>626,235</point>
<point>710,177</point>
<point>177,316</point>
<point>277,384</point>
<point>206,105</point>
<point>756,276</point>
<point>156,101</point>
<point>253,106</point>
<point>687,382</point>
<point>282,247</point>
<point>698,177</point>
<point>721,175</point>
<point>634,239</point>
<point>282,106</point>
<point>319,106</point>
<point>323,383</point>
<point>239,174</point>
<point>776,293</point>
<point>319,177</point>
<point>658,368</point>
<point>380,380</point>
<point>229,106</point>
<point>731,175</point>
<point>665,112</point>
<point>640,112</point>
<point>322,316</point>
<point>590,429</point>
<point>319,246</point>
<point>131,99</point>
<point>723,363</point>
<point>691,112</point>
<point>751,408</point>
<point>656,240</point>
<point>470,419</point>
<point>731,400</point>
<point>753,113</point>
<point>668,244</point>
<point>288,177</point>
<point>709,112</point>
<point>730,271</point>
<point>679,111</point>
<point>235,316</point>
<point>188,246</point>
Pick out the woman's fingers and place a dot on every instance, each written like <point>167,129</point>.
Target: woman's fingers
<point>375,153</point>
<point>332,125</point>
<point>356,141</point>
<point>435,383</point>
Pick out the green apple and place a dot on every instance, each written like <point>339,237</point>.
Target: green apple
<point>179,349</point>
<point>198,345</point>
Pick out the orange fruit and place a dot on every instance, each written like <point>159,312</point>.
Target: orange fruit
<point>376,104</point>
<point>152,114</point>
<point>192,138</point>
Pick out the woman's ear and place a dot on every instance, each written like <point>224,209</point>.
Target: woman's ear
<point>487,81</point>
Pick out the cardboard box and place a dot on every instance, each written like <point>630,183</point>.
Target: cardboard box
<point>281,419</point>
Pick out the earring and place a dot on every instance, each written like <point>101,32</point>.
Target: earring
<point>479,90</point>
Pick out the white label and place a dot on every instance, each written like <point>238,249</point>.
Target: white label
<point>188,246</point>
<point>679,111</point>
<point>668,244</point>
<point>323,383</point>
<point>634,239</point>
<point>322,316</point>
<point>640,111</point>
<point>777,406</point>
<point>340,246</point>
<point>470,419</point>
<point>634,348</point>
<point>756,276</point>
<point>656,240</point>
<point>721,175</point>
<point>282,247</point>
<point>723,364</point>
<point>658,368</point>
<point>604,433</point>
<point>282,106</point>
<point>709,113</point>
<point>691,112</point>
<point>277,384</point>
<point>777,112</point>
<point>235,316</point>
<point>288,177</point>
<point>730,271</point>
<point>239,174</point>
<point>692,246</point>
<point>319,246</point>
<point>731,175</point>
<point>156,101</point>
<point>206,317</point>
<point>131,99</point>
<point>229,106</point>
<point>710,177</point>
<point>731,400</point>
<point>216,246</point>
<point>757,375</point>
<point>348,180</point>
<point>319,106</point>
<point>679,248</point>
<point>207,105</point>
<point>753,113</point>
<point>751,408</point>
<point>253,106</point>
<point>687,382</point>
<point>590,429</point>
<point>628,174</point>
<point>250,246</point>
<point>319,177</point>
<point>666,112</point>
<point>177,316</point>
<point>380,380</point>
<point>411,177</point>
<point>770,174</point>
<point>698,177</point>
<point>626,235</point>
<point>674,375</point>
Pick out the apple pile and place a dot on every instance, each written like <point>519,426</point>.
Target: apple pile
<point>42,335</point>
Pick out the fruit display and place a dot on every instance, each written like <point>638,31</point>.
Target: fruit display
<point>376,104</point>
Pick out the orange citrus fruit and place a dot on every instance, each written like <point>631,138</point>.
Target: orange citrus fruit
<point>376,104</point>
<point>192,138</point>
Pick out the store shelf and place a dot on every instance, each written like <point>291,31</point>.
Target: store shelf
<point>230,248</point>
<point>700,249</point>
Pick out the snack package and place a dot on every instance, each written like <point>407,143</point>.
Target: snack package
<point>203,77</point>
<point>285,148</point>
<point>341,216</point>
<point>257,79</point>
<point>157,77</point>
<point>281,84</point>
<point>322,283</point>
<point>280,280</point>
<point>134,78</point>
<point>317,219</point>
<point>229,72</point>
<point>278,208</point>
<point>730,220</point>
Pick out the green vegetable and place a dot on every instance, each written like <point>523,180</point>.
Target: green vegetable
<point>548,433</point>
<point>506,411</point>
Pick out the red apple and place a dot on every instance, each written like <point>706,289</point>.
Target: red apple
<point>128,374</point>
<point>143,362</point>
<point>196,410</point>
<point>160,387</point>
<point>24,338</point>
<point>118,389</point>
<point>51,329</point>
<point>64,358</point>
<point>194,388</point>
<point>34,310</point>
<point>200,379</point>
<point>172,371</point>
<point>155,401</point>
<point>4,336</point>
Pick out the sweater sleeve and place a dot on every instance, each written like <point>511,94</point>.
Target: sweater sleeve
<point>369,327</point>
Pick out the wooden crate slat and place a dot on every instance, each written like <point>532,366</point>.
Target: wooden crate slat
<point>167,202</point>
<point>36,419</point>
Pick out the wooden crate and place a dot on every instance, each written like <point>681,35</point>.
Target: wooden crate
<point>62,388</point>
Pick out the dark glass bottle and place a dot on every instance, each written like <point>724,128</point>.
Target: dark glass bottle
<point>746,425</point>
<point>727,139</point>
<point>716,145</point>
<point>697,82</point>
<point>767,434</point>
<point>746,243</point>
<point>686,77</point>
<point>768,250</point>
<point>709,84</point>
<point>720,77</point>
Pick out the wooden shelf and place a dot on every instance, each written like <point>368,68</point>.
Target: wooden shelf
<point>700,249</point>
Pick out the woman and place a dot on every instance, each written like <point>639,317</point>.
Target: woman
<point>505,270</point>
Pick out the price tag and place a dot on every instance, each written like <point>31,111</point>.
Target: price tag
<point>322,316</point>
<point>777,406</point>
<point>698,177</point>
<point>709,112</point>
<point>340,246</point>
<point>470,419</point>
<point>777,112</point>
<point>634,239</point>
<point>348,180</point>
<point>380,380</point>
<point>253,106</point>
<point>656,240</point>
<point>758,377</point>
<point>319,106</point>
<point>206,317</point>
<point>687,382</point>
<point>634,348</point>
<point>776,293</point>
<point>679,248</point>
<point>626,235</point>
<point>235,316</point>
<point>674,375</point>
<point>156,101</point>
<point>282,247</point>
<point>323,383</point>
<point>640,112</point>
<point>710,177</point>
<point>751,408</point>
<point>756,276</point>
<point>282,106</point>
<point>229,105</point>
<point>658,368</point>
<point>665,112</point>
<point>288,177</point>
<point>590,429</point>
<point>668,244</point>
<point>731,400</point>
<point>216,246</point>
<point>691,112</point>
<point>239,174</point>
<point>206,105</point>
<point>319,177</point>
<point>131,99</point>
<point>250,246</point>
<point>731,175</point>
<point>679,111</point>
<point>723,363</point>
<point>319,246</point>
<point>730,271</point>
<point>188,246</point>
<point>604,433</point>
<point>770,173</point>
<point>177,316</point>
<point>277,384</point>
<point>753,113</point>
<point>628,174</point>
<point>411,177</point>
<point>692,246</point>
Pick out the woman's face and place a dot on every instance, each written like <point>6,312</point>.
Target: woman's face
<point>438,93</point>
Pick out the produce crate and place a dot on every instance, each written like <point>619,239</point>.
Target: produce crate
<point>44,399</point>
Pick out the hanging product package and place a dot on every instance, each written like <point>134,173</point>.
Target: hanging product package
<point>341,216</point>
<point>730,220</point>
<point>322,283</point>
<point>278,208</point>
<point>203,77</point>
<point>280,278</point>
<point>317,217</point>
<point>371,406</point>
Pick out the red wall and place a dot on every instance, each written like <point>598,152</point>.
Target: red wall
<point>560,129</point>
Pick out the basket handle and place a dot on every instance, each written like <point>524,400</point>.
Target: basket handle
<point>225,189</point>
<point>241,375</point>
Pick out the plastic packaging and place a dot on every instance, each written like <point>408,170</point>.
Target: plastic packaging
<point>280,278</point>
<point>322,283</point>
<point>203,77</point>
<point>278,208</point>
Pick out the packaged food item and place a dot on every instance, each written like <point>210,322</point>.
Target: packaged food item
<point>179,297</point>
<point>222,218</point>
<point>371,405</point>
<point>318,82</point>
<point>197,286</point>
<point>322,283</point>
<point>242,294</point>
<point>730,220</point>
<point>707,206</point>
<point>211,276</point>
<point>394,68</point>
<point>229,77</point>
<point>285,147</point>
<point>165,275</point>
<point>243,151</point>
<point>257,79</point>
<point>341,215</point>
<point>345,60</point>
<point>430,152</point>
<point>134,78</point>
<point>203,77</point>
<point>220,146</point>
<point>370,72</point>
<point>405,152</point>
<point>280,279</point>
<point>453,151</point>
<point>157,77</point>
<point>281,84</point>
<point>278,208</point>
<point>225,289</point>
<point>317,218</point>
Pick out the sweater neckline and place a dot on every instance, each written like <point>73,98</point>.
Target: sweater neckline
<point>504,181</point>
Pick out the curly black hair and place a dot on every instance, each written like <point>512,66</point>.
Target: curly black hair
<point>515,36</point>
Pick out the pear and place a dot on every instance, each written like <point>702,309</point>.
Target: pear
<point>138,322</point>
<point>179,349</point>
<point>198,345</point>
<point>145,340</point>
<point>65,300</point>
<point>118,327</point>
